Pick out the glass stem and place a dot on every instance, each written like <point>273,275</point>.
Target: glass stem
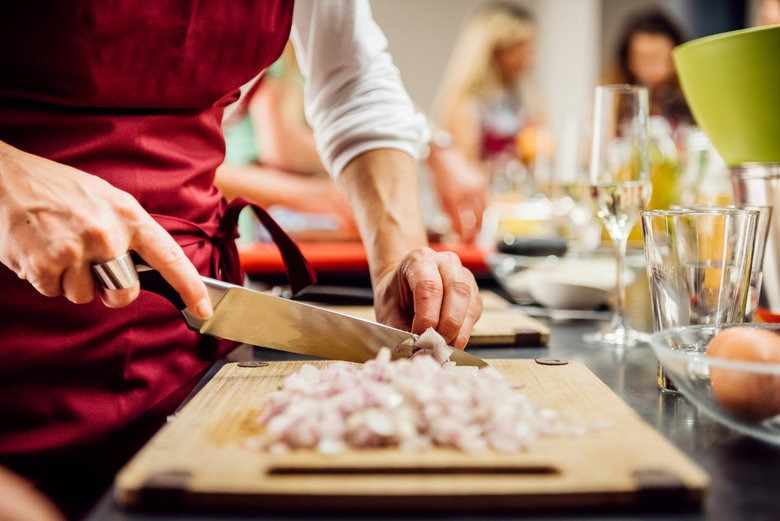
<point>620,290</point>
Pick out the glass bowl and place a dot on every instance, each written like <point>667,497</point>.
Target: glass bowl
<point>745,392</point>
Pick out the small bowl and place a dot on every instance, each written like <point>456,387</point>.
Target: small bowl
<point>682,352</point>
<point>557,294</point>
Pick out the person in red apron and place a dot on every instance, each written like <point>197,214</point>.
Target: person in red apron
<point>110,133</point>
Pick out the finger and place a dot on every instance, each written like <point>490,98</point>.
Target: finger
<point>472,315</point>
<point>479,212</point>
<point>162,253</point>
<point>424,280</point>
<point>468,230</point>
<point>21,500</point>
<point>457,296</point>
<point>469,220</point>
<point>456,223</point>
<point>117,298</point>
<point>78,283</point>
<point>46,280</point>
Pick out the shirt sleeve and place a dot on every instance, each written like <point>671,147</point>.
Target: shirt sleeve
<point>353,97</point>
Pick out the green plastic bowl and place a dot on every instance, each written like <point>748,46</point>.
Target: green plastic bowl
<point>732,84</point>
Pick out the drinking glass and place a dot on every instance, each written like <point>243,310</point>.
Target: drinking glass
<point>762,233</point>
<point>698,267</point>
<point>620,186</point>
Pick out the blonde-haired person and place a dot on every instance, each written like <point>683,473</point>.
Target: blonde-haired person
<point>486,98</point>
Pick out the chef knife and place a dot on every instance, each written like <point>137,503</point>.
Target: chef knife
<point>258,319</point>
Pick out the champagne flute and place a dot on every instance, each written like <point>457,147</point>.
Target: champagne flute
<point>620,186</point>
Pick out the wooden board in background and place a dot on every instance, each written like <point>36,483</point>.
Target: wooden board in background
<point>201,458</point>
<point>499,324</point>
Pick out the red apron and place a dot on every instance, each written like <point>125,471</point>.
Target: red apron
<point>131,91</point>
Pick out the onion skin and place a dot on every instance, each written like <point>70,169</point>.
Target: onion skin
<point>746,395</point>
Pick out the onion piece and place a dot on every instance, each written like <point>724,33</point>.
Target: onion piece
<point>410,403</point>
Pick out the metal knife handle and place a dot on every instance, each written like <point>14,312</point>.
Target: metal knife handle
<point>151,280</point>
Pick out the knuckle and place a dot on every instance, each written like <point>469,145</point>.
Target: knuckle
<point>450,256</point>
<point>171,254</point>
<point>427,286</point>
<point>427,319</point>
<point>126,205</point>
<point>40,269</point>
<point>47,288</point>
<point>421,254</point>
<point>461,341</point>
<point>460,288</point>
<point>59,252</point>
<point>450,324</point>
<point>100,238</point>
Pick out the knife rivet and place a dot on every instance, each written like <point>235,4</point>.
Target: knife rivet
<point>253,363</point>
<point>551,361</point>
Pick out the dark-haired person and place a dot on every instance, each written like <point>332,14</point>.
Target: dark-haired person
<point>644,57</point>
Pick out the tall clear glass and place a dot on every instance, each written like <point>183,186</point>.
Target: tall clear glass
<point>699,266</point>
<point>620,187</point>
<point>759,248</point>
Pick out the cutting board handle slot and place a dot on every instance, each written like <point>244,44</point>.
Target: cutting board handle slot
<point>519,470</point>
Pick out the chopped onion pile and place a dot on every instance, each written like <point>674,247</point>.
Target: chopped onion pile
<point>411,403</point>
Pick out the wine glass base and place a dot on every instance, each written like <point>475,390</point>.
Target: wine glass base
<point>618,338</point>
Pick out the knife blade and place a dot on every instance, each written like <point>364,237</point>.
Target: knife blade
<point>255,318</point>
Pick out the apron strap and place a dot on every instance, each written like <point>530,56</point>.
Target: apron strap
<point>299,273</point>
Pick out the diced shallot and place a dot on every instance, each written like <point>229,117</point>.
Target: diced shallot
<point>411,403</point>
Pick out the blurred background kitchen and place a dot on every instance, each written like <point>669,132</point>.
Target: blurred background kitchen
<point>540,188</point>
<point>576,48</point>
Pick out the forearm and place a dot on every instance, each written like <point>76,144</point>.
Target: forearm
<point>381,187</point>
<point>261,185</point>
<point>284,139</point>
<point>266,186</point>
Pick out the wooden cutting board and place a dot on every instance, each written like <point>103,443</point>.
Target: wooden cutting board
<point>200,458</point>
<point>499,325</point>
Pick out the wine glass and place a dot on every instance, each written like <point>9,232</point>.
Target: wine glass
<point>620,186</point>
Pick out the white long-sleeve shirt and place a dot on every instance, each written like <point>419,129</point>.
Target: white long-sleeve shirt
<point>353,97</point>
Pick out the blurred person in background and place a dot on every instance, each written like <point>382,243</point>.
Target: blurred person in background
<point>272,160</point>
<point>644,57</point>
<point>768,13</point>
<point>486,99</point>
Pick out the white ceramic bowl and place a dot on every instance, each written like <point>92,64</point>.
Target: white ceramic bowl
<point>559,294</point>
<point>559,283</point>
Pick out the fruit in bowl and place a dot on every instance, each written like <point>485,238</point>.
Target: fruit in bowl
<point>731,372</point>
<point>747,395</point>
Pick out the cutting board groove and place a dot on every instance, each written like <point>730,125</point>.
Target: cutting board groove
<point>201,457</point>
